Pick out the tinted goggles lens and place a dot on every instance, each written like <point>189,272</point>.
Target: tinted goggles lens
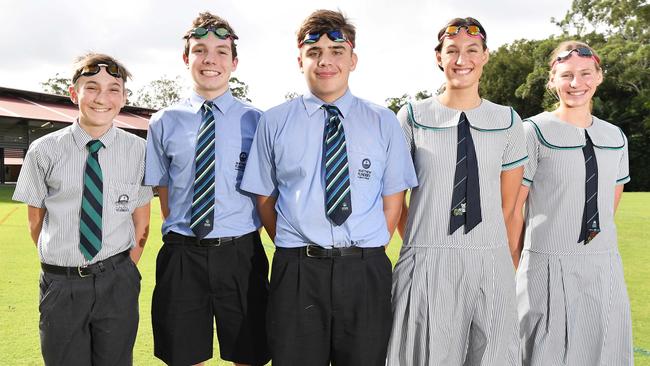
<point>334,35</point>
<point>581,51</point>
<point>221,33</point>
<point>472,30</point>
<point>91,70</point>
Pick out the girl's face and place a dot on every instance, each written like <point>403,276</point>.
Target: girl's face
<point>575,80</point>
<point>462,58</point>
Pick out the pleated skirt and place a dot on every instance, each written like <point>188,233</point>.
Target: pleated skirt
<point>574,310</point>
<point>454,307</point>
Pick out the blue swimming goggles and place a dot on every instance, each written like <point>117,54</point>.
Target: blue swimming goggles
<point>334,35</point>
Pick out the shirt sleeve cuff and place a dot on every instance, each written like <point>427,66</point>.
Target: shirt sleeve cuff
<point>515,164</point>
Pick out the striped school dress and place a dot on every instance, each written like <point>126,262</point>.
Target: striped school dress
<point>572,299</point>
<point>454,295</point>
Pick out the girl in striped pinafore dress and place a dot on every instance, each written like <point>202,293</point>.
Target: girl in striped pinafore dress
<point>572,300</point>
<point>454,284</point>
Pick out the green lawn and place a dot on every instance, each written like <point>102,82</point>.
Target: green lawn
<point>19,269</point>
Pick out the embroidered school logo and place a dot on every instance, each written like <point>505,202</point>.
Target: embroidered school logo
<point>121,204</point>
<point>365,173</point>
<point>241,164</point>
<point>365,163</point>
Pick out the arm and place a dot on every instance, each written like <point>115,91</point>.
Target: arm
<point>35,216</point>
<point>510,185</point>
<point>163,197</point>
<point>617,195</point>
<point>401,224</point>
<point>516,229</point>
<point>141,223</point>
<point>392,210</point>
<point>266,210</point>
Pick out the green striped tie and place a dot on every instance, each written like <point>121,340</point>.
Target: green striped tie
<point>90,225</point>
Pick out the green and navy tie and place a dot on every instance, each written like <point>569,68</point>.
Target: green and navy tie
<point>338,202</point>
<point>90,225</point>
<point>590,221</point>
<point>202,220</point>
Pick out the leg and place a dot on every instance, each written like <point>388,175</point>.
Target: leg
<point>114,320</point>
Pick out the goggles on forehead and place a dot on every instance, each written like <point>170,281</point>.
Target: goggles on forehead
<point>335,35</point>
<point>472,30</point>
<point>581,51</point>
<point>220,32</point>
<point>90,70</point>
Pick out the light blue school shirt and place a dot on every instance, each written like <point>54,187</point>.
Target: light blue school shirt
<point>286,161</point>
<point>171,144</point>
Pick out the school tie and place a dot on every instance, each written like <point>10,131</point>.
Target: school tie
<point>466,196</point>
<point>90,223</point>
<point>202,220</point>
<point>337,178</point>
<point>590,221</point>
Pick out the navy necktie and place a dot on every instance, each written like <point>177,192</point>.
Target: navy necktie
<point>202,220</point>
<point>338,202</point>
<point>590,221</point>
<point>466,196</point>
<point>90,223</point>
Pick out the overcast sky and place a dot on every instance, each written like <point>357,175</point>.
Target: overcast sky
<point>395,38</point>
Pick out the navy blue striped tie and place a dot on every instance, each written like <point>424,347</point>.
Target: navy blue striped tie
<point>590,221</point>
<point>466,196</point>
<point>90,223</point>
<point>338,202</point>
<point>202,220</point>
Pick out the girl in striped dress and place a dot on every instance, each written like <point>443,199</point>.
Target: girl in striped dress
<point>572,300</point>
<point>454,284</point>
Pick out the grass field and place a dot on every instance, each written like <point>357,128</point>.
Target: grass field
<point>19,270</point>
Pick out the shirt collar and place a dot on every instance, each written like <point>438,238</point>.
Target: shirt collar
<point>81,137</point>
<point>313,103</point>
<point>222,102</point>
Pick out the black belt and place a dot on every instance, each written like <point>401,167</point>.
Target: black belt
<point>105,265</point>
<point>174,238</point>
<point>316,251</point>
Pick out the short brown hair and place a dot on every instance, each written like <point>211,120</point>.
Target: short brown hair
<point>91,59</point>
<point>205,20</point>
<point>461,22</point>
<point>322,21</point>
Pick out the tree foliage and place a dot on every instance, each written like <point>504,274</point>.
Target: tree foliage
<point>56,85</point>
<point>159,93</point>
<point>394,104</point>
<point>239,89</point>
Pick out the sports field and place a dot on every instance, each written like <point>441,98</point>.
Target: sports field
<point>19,270</point>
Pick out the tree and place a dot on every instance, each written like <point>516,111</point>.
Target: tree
<point>291,95</point>
<point>159,93</point>
<point>239,89</point>
<point>57,85</point>
<point>394,104</point>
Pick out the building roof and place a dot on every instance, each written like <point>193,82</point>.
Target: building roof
<point>31,105</point>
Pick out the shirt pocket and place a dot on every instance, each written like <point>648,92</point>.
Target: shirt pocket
<point>366,172</point>
<point>122,197</point>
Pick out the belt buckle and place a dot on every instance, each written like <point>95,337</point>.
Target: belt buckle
<point>81,273</point>
<point>310,255</point>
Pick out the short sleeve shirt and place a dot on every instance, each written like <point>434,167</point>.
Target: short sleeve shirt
<point>171,150</point>
<point>431,129</point>
<point>52,178</point>
<point>286,161</point>
<point>555,175</point>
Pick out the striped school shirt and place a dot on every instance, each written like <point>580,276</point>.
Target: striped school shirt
<point>52,178</point>
<point>555,174</point>
<point>431,131</point>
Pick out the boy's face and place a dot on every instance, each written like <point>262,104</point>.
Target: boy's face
<point>99,97</point>
<point>327,65</point>
<point>210,62</point>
